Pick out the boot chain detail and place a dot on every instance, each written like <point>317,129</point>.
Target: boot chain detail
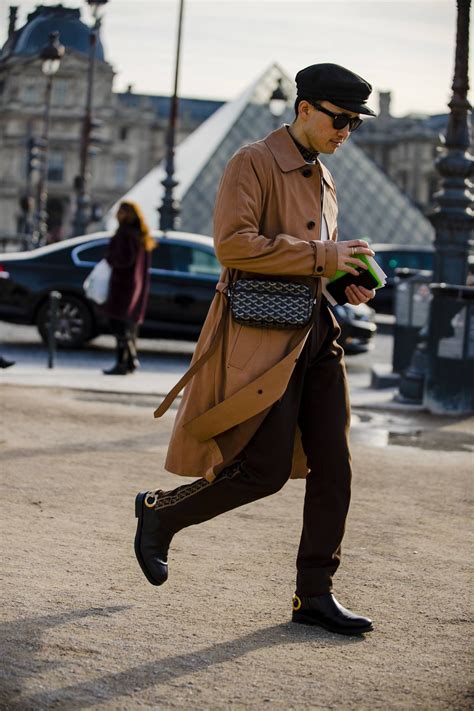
<point>160,499</point>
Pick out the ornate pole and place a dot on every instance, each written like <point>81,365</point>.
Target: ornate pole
<point>453,215</point>
<point>39,235</point>
<point>169,209</point>
<point>82,215</point>
<point>28,203</point>
<point>449,385</point>
<point>51,55</point>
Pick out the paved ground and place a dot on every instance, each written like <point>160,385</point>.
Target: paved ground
<point>81,627</point>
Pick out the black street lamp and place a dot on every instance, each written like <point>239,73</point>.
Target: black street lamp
<point>169,209</point>
<point>50,55</point>
<point>450,347</point>
<point>82,215</point>
<point>34,148</point>
<point>453,217</point>
<point>277,103</point>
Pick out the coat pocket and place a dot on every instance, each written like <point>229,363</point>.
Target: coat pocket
<point>244,345</point>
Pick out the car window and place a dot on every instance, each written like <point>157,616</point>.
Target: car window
<point>94,253</point>
<point>389,261</point>
<point>161,257</point>
<point>184,258</point>
<point>202,262</point>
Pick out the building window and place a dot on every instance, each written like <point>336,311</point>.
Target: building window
<point>123,133</point>
<point>59,92</point>
<point>30,94</point>
<point>55,167</point>
<point>403,180</point>
<point>121,170</point>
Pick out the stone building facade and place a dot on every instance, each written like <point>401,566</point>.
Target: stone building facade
<point>405,149</point>
<point>130,141</point>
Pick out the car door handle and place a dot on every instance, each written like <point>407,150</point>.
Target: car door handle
<point>184,300</point>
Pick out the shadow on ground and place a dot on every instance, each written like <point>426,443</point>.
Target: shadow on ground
<point>24,641</point>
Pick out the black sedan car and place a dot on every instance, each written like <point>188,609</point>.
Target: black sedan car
<point>184,273</point>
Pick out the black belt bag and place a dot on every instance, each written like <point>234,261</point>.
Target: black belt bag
<point>263,303</point>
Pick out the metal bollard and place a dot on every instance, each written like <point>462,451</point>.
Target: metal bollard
<point>54,299</point>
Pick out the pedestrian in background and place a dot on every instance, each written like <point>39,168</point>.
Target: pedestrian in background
<point>129,255</point>
<point>264,404</point>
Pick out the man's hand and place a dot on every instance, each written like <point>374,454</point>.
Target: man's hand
<point>347,261</point>
<point>358,294</point>
<point>347,255</point>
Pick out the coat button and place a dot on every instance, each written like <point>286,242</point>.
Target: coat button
<point>307,173</point>
<point>319,269</point>
<point>260,392</point>
<point>311,225</point>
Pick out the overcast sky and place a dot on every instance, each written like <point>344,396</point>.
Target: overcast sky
<point>406,46</point>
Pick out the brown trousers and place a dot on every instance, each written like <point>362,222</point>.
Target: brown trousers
<point>317,399</point>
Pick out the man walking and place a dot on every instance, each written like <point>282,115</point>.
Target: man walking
<point>263,404</point>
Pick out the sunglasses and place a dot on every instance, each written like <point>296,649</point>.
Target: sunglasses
<point>340,120</point>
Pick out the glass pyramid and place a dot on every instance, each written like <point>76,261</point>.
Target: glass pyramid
<point>370,204</point>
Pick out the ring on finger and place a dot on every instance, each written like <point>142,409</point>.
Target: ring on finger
<point>353,251</point>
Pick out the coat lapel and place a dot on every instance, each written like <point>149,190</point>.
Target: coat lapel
<point>284,150</point>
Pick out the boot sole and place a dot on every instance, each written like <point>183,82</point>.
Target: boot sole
<point>351,632</point>
<point>139,503</point>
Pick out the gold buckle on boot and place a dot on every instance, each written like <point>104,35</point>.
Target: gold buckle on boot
<point>151,499</point>
<point>296,603</point>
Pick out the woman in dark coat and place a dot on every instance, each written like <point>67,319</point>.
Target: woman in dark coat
<point>129,255</point>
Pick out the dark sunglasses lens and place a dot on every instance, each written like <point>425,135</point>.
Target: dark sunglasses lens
<point>343,120</point>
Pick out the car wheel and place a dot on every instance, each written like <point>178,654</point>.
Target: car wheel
<point>74,322</point>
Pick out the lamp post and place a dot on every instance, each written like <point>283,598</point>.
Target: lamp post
<point>441,372</point>
<point>50,55</point>
<point>449,385</point>
<point>81,183</point>
<point>34,150</point>
<point>277,103</point>
<point>169,209</point>
<point>453,216</point>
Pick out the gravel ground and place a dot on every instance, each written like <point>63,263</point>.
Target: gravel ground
<point>81,627</point>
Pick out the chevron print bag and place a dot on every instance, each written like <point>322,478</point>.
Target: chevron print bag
<point>263,303</point>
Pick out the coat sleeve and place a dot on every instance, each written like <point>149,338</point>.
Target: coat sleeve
<point>238,242</point>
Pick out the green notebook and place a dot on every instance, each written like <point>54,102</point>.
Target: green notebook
<point>372,278</point>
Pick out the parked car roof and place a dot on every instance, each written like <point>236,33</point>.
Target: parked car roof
<point>203,240</point>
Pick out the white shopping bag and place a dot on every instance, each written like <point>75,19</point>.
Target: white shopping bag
<point>96,286</point>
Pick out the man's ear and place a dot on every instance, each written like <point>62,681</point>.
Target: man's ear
<point>304,109</point>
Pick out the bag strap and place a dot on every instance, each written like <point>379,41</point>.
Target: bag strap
<point>173,394</point>
<point>222,287</point>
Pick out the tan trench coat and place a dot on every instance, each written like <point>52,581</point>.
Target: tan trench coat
<point>268,210</point>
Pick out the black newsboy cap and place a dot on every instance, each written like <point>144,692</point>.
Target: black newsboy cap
<point>336,84</point>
